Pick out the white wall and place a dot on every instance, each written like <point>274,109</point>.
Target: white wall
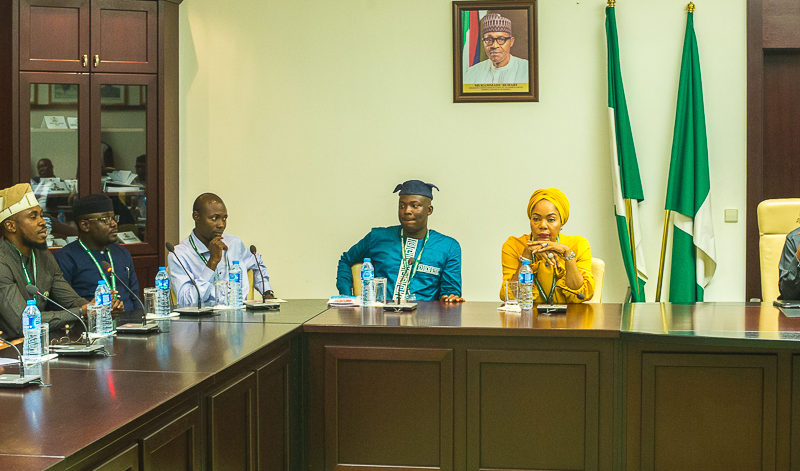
<point>304,115</point>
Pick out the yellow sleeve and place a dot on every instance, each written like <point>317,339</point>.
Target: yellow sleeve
<point>583,258</point>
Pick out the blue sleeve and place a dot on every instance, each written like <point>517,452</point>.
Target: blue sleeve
<point>133,280</point>
<point>66,263</point>
<point>451,275</point>
<point>356,254</point>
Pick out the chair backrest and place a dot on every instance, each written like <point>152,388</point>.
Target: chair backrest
<point>356,270</point>
<point>776,218</point>
<point>598,272</point>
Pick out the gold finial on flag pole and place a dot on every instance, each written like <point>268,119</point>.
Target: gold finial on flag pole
<point>611,3</point>
<point>690,7</point>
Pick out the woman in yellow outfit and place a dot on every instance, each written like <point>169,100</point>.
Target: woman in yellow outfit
<point>561,264</point>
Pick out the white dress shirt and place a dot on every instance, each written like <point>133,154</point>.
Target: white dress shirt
<point>205,277</point>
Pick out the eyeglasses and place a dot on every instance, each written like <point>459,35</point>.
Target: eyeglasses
<point>500,41</point>
<point>106,220</point>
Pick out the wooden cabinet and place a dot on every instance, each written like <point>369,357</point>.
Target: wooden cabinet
<point>88,36</point>
<point>128,460</point>
<point>91,94</point>
<point>176,445</point>
<point>232,425</point>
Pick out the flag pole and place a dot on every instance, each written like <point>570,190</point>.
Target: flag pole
<point>663,253</point>
<point>629,215</point>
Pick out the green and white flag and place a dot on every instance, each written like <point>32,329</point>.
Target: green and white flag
<point>688,190</point>
<point>627,184</point>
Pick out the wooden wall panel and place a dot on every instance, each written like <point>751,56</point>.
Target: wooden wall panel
<point>176,445</point>
<point>389,407</point>
<point>231,425</point>
<point>274,414</point>
<point>128,460</point>
<point>532,410</point>
<point>707,411</point>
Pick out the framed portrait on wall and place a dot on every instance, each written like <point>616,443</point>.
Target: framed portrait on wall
<point>495,55</point>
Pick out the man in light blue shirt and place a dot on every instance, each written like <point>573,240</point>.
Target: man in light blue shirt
<point>208,253</point>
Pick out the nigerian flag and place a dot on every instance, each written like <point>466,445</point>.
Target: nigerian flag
<point>627,184</point>
<point>693,253</point>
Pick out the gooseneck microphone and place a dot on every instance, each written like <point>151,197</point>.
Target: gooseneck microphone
<point>108,269</point>
<point>34,291</point>
<point>13,381</point>
<point>171,249</point>
<point>578,294</point>
<point>19,356</point>
<point>263,284</point>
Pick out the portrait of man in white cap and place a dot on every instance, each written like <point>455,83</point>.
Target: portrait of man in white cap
<point>500,66</point>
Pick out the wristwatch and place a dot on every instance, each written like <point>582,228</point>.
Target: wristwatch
<point>570,255</point>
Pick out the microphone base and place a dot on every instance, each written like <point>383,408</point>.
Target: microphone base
<point>14,381</point>
<point>253,305</point>
<point>194,311</point>
<point>400,307</point>
<point>551,308</point>
<point>137,328</point>
<point>78,350</point>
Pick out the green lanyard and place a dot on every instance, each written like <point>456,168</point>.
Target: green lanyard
<point>25,268</point>
<point>205,261</point>
<point>113,284</point>
<point>404,261</point>
<point>547,299</point>
<point>191,241</point>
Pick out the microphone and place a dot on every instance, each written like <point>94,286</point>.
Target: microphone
<point>579,295</point>
<point>401,304</point>
<point>11,381</point>
<point>171,249</point>
<point>263,284</point>
<point>130,328</point>
<point>34,291</point>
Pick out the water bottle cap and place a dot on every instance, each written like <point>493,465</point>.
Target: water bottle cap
<point>31,302</point>
<point>101,283</point>
<point>236,262</point>
<point>367,260</point>
<point>162,268</point>
<point>526,262</point>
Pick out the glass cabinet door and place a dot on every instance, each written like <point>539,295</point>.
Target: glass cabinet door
<point>54,146</point>
<point>124,147</point>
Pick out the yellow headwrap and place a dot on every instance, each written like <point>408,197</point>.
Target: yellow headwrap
<point>15,199</point>
<point>553,195</point>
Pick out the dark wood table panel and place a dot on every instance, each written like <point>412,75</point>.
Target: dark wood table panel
<point>752,322</point>
<point>81,407</point>
<point>27,463</point>
<point>473,318</point>
<point>207,347</point>
<point>294,311</point>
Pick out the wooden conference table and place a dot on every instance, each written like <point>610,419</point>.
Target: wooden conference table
<point>451,387</point>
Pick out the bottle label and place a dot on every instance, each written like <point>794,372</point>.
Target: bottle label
<point>162,284</point>
<point>234,277</point>
<point>33,322</point>
<point>526,277</point>
<point>367,275</point>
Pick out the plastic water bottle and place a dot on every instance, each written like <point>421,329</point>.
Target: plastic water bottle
<point>235,285</point>
<point>163,305</point>
<point>102,301</point>
<point>367,283</point>
<point>32,330</point>
<point>526,286</point>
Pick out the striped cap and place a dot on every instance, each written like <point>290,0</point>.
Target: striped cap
<point>495,23</point>
<point>16,199</point>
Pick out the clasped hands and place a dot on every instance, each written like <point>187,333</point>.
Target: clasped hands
<point>547,248</point>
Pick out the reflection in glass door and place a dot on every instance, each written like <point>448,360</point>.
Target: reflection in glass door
<point>54,155</point>
<point>123,149</point>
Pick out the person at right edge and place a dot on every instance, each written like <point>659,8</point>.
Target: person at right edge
<point>789,267</point>
<point>561,264</point>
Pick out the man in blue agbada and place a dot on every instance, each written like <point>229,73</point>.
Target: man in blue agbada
<point>430,261</point>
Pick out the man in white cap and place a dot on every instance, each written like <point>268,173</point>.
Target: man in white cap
<point>25,260</point>
<point>501,66</point>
